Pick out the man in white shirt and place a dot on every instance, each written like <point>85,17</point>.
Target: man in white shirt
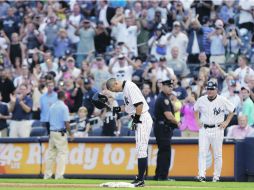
<point>122,67</point>
<point>243,70</point>
<point>177,39</point>
<point>245,16</point>
<point>127,32</point>
<point>73,23</point>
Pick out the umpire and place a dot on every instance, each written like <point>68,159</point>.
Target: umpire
<point>165,123</point>
<point>58,143</point>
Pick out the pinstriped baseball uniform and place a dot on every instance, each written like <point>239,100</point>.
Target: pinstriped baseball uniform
<point>212,113</point>
<point>133,95</point>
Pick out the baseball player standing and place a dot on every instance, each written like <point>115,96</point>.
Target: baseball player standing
<point>210,112</point>
<point>136,106</point>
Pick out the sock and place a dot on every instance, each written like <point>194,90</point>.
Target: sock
<point>142,165</point>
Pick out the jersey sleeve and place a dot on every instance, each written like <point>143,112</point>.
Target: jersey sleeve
<point>228,105</point>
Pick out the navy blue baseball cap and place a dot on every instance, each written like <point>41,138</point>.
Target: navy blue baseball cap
<point>168,82</point>
<point>87,81</point>
<point>211,85</point>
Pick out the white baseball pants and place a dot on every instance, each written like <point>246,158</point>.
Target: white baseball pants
<point>142,134</point>
<point>213,137</point>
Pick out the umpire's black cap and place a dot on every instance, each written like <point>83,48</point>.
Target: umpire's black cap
<point>168,82</point>
<point>211,85</point>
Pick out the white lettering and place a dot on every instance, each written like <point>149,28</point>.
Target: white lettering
<point>34,155</point>
<point>91,157</point>
<point>133,159</point>
<point>117,156</point>
<point>76,154</point>
<point>106,153</point>
<point>9,153</point>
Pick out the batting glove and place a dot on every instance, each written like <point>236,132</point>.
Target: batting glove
<point>135,122</point>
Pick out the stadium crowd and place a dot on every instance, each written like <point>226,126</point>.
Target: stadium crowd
<point>75,46</point>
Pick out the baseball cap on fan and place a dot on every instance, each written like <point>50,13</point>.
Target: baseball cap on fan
<point>211,85</point>
<point>168,82</point>
<point>245,87</point>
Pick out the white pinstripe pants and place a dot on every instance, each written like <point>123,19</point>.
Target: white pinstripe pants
<point>142,134</point>
<point>213,137</point>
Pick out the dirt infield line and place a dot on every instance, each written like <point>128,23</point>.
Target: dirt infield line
<point>24,185</point>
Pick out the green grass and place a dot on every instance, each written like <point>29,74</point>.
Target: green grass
<point>153,185</point>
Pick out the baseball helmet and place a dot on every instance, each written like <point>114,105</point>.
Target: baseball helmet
<point>100,101</point>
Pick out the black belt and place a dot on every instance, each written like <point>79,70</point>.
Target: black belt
<point>209,126</point>
<point>59,131</point>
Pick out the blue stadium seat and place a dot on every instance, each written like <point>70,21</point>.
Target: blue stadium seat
<point>38,131</point>
<point>36,123</point>
<point>96,132</point>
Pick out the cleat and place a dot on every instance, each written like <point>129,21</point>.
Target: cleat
<point>215,179</point>
<point>200,179</point>
<point>138,183</point>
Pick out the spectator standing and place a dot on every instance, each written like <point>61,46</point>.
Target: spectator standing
<point>195,44</point>
<point>61,43</point>
<point>58,144</point>
<point>122,67</point>
<point>233,44</point>
<point>218,41</point>
<point>106,13</point>
<point>157,43</point>
<point>177,39</point>
<point>73,23</point>
<point>4,115</point>
<point>202,8</point>
<point>10,23</point>
<point>100,72</point>
<point>4,6</point>
<point>21,108</point>
<point>243,70</point>
<point>245,15</point>
<point>33,38</point>
<point>247,104</point>
<point>46,101</point>
<point>189,126</point>
<point>16,50</point>
<point>72,69</point>
<point>125,29</point>
<point>6,85</point>
<point>177,63</point>
<point>86,33</point>
<point>51,31</point>
<point>49,64</point>
<point>241,130</point>
<point>102,38</point>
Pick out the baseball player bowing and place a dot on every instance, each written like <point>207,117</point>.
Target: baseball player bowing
<point>210,112</point>
<point>136,106</point>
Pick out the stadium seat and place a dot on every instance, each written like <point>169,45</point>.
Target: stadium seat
<point>95,132</point>
<point>38,131</point>
<point>36,123</point>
